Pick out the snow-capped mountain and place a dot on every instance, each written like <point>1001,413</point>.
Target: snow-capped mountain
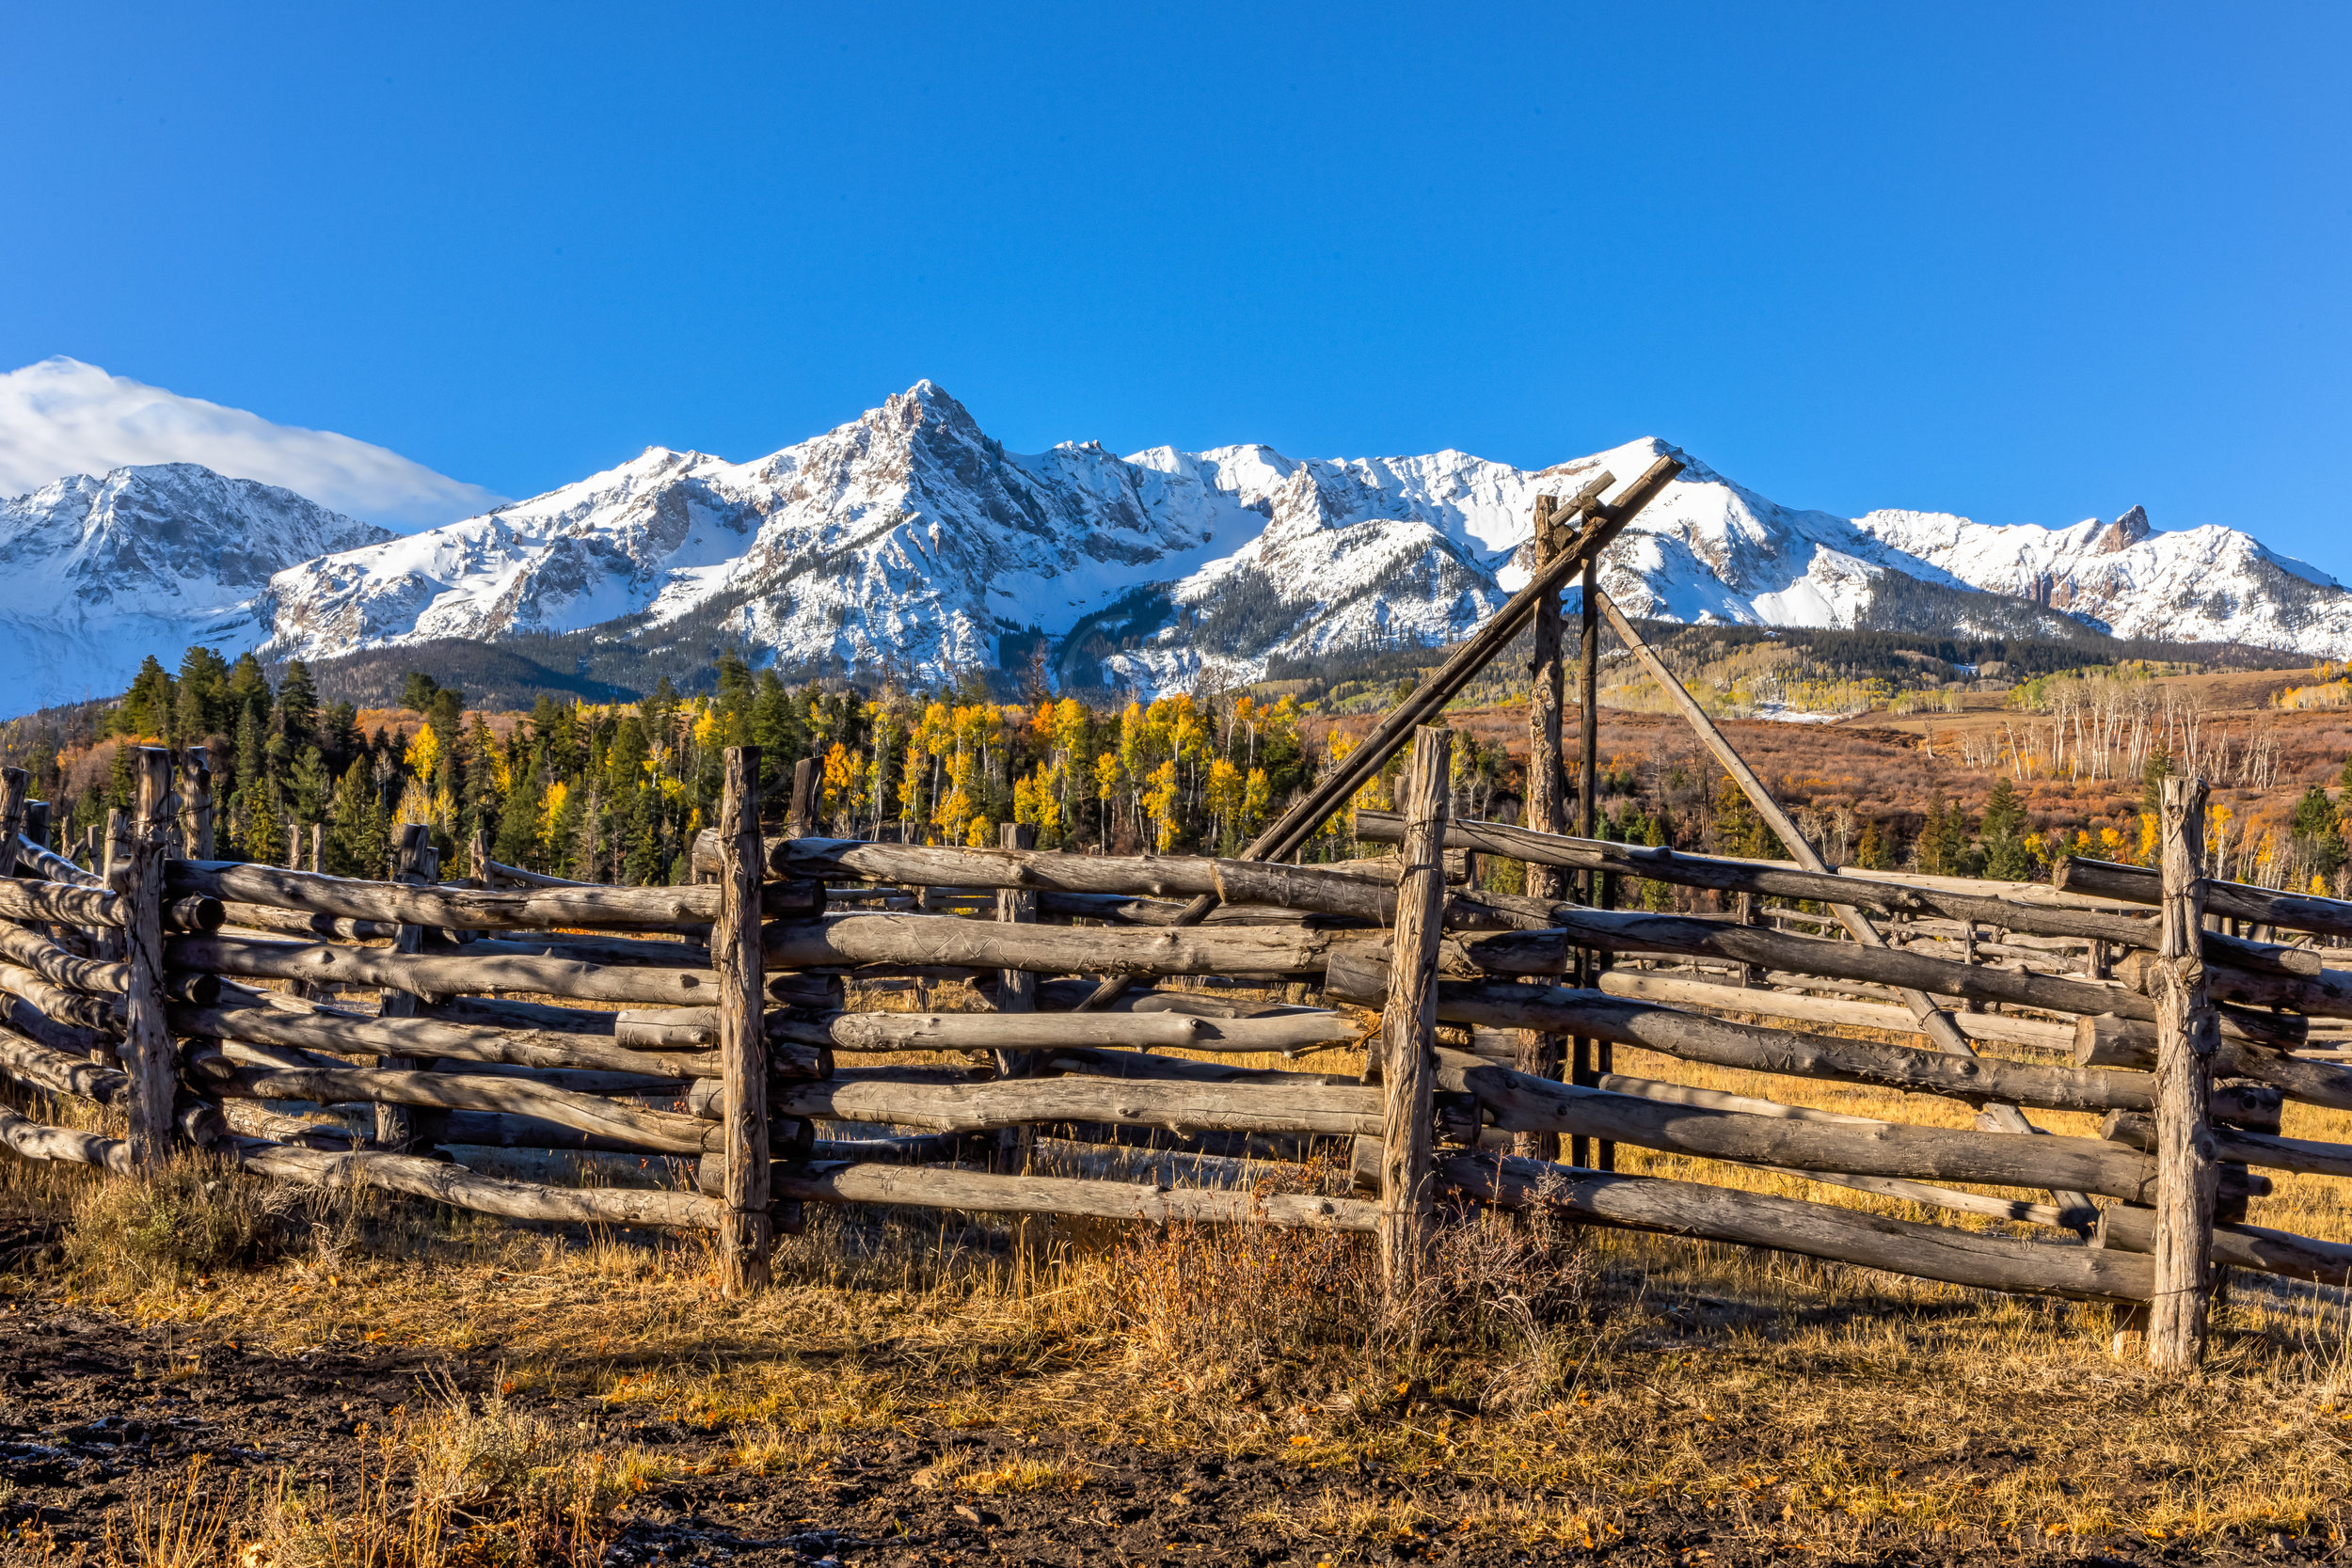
<point>910,540</point>
<point>101,572</point>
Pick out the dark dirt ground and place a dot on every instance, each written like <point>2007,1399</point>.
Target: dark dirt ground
<point>91,1408</point>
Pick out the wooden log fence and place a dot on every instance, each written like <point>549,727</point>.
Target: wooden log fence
<point>708,1029</point>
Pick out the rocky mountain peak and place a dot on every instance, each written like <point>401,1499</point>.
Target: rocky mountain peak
<point>2125,532</point>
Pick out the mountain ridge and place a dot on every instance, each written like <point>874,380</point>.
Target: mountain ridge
<point>909,540</point>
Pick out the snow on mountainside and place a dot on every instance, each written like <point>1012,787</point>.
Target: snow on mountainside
<point>910,540</point>
<point>103,571</point>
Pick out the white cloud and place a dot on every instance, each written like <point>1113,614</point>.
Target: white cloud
<point>61,417</point>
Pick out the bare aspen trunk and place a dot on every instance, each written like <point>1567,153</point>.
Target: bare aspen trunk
<point>1409,1030</point>
<point>745,1235</point>
<point>2188,1036</point>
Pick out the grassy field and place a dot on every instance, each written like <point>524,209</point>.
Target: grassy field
<point>365,1382</point>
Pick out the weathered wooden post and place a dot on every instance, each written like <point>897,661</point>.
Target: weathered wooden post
<point>395,1125</point>
<point>15,783</point>
<point>1540,1054</point>
<point>1592,1057</point>
<point>478,856</point>
<point>37,822</point>
<point>2187,1035</point>
<point>196,793</point>
<point>318,847</point>
<point>801,819</point>
<point>138,880</point>
<point>1409,1026</point>
<point>1016,993</point>
<point>745,1235</point>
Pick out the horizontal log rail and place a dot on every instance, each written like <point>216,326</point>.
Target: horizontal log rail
<point>978,1192</point>
<point>462,1189</point>
<point>1689,1036</point>
<point>433,1036</point>
<point>32,1140</point>
<point>2297,1156</point>
<point>53,1072</point>
<point>662,1132</point>
<point>29,1020</point>
<point>581,948</point>
<point>100,1015</point>
<point>1613,931</point>
<point>294,923</point>
<point>1767,878</point>
<point>55,965</point>
<point>55,867</point>
<point>943,941</point>
<point>1643,985</point>
<point>2245,1246</point>
<point>457,909</point>
<point>1520,1103</point>
<point>2137,884</point>
<point>2108,1042</point>
<point>1249,1107</point>
<point>59,903</point>
<point>868,1032</point>
<point>1957,1257</point>
<point>430,974</point>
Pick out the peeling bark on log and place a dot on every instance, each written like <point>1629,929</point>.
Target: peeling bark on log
<point>868,1032</point>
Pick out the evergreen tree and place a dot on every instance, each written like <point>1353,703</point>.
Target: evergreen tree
<point>358,836</point>
<point>298,709</point>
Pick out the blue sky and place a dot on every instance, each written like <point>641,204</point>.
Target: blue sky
<point>2032,263</point>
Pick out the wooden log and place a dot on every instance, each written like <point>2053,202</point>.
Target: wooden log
<point>1689,1036</point>
<point>211,1072</point>
<point>100,1015</point>
<point>457,909</point>
<point>1516,1101</point>
<point>2236,1145</point>
<point>1131,1065</point>
<point>462,1189</point>
<point>536,879</point>
<point>1035,1032</point>
<point>53,1072</point>
<point>2245,1246</point>
<point>250,1119</point>
<point>1843,1235</point>
<point>433,1038</point>
<point>2135,884</point>
<point>32,1140</point>
<point>55,867</point>
<point>1545,785</point>
<point>943,941</point>
<point>324,928</point>
<point>14,792</point>
<point>983,1107</point>
<point>1409,1026</point>
<point>432,974</point>
<point>745,1234</point>
<point>2188,1038</point>
<point>1775,880</point>
<point>60,903</point>
<point>980,1192</point>
<point>2104,1040</point>
<point>196,793</point>
<point>653,1029</point>
<point>61,967</point>
<point>1650,986</point>
<point>486,1012</point>
<point>35,1024</point>
<point>583,948</point>
<point>1634,931</point>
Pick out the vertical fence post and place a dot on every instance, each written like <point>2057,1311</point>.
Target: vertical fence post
<point>478,856</point>
<point>801,818</point>
<point>1016,993</point>
<point>1592,1057</point>
<point>147,1049</point>
<point>745,1237</point>
<point>14,784</point>
<point>1409,1026</point>
<point>196,793</point>
<point>2187,1033</point>
<point>1539,1053</point>
<point>395,1125</point>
